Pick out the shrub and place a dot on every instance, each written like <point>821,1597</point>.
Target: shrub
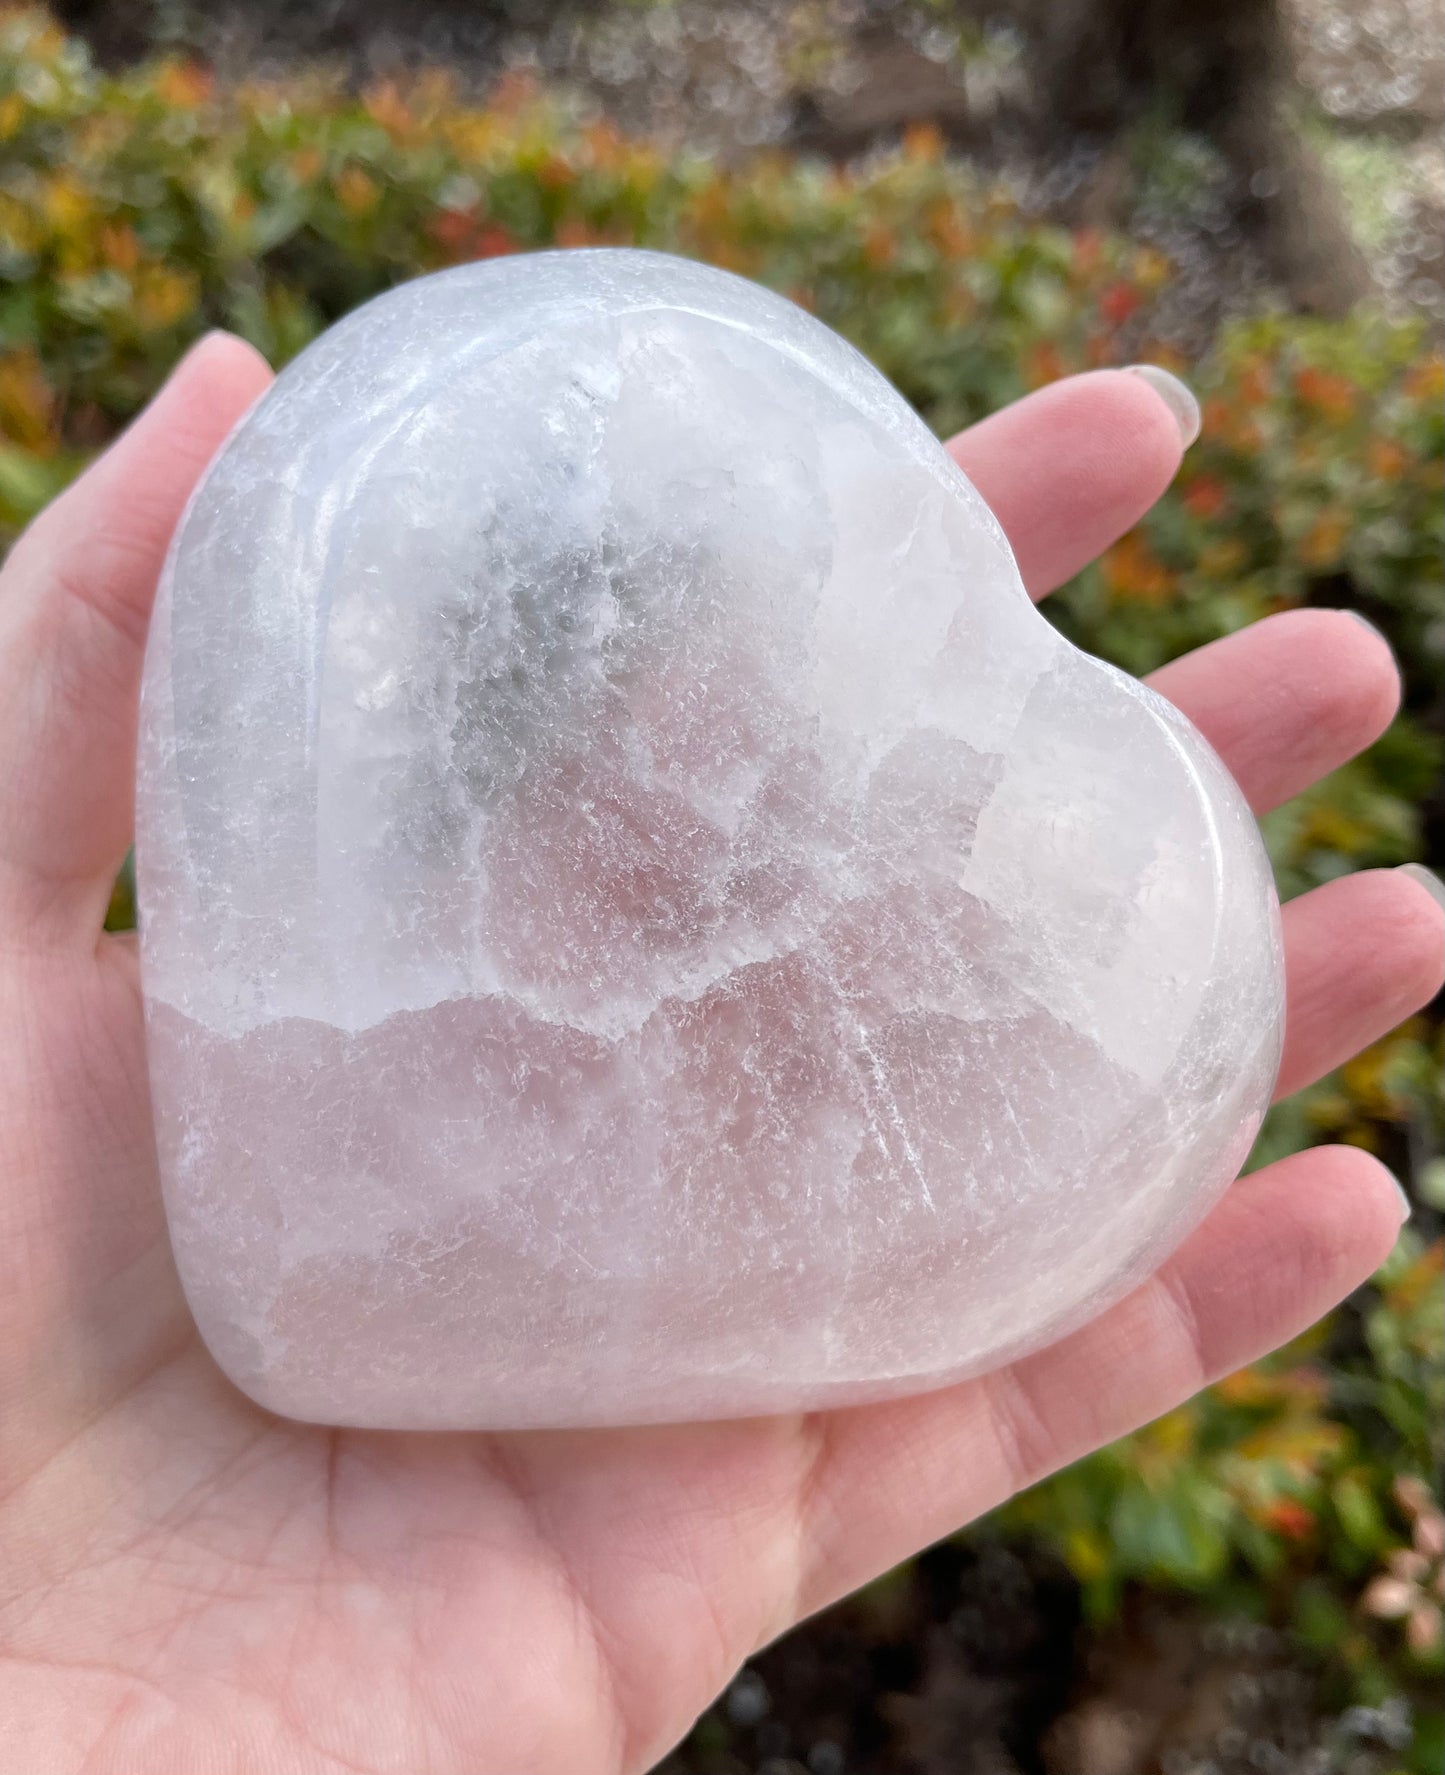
<point>1299,1491</point>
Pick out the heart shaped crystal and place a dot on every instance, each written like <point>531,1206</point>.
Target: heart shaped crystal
<point>641,918</point>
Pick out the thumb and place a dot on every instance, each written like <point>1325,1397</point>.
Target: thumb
<point>75,601</point>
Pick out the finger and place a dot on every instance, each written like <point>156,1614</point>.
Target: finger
<point>1287,700</point>
<point>75,600</point>
<point>1068,469</point>
<point>1361,954</point>
<point>1282,1248</point>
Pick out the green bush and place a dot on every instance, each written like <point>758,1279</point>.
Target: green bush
<point>1298,1490</point>
<point>137,211</point>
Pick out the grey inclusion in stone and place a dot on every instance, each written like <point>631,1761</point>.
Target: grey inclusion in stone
<point>641,918</point>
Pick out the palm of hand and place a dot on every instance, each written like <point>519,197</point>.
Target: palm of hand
<point>188,1583</point>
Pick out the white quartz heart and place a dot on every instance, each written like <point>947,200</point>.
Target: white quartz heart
<point>641,918</point>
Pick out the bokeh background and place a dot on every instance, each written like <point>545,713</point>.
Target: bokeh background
<point>982,196</point>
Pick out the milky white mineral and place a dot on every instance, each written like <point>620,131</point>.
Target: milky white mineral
<point>641,918</point>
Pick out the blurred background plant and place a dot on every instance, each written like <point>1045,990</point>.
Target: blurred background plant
<point>1299,1500</point>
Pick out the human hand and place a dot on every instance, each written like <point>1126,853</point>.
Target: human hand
<point>189,1586</point>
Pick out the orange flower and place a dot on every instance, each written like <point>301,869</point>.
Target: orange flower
<point>960,306</point>
<point>575,231</point>
<point>1205,496</point>
<point>1303,1386</point>
<point>1255,381</point>
<point>1222,560</point>
<point>1325,539</point>
<point>604,145</point>
<point>27,403</point>
<point>555,173</point>
<point>923,142</point>
<point>514,93</point>
<point>1168,357</point>
<point>66,205</point>
<point>385,105</point>
<point>730,255</point>
<point>1215,417</point>
<point>1426,382</point>
<point>948,231</point>
<point>879,245</point>
<point>1405,1294</point>
<point>710,207</point>
<point>1043,364</point>
<point>1247,1386</point>
<point>1386,458</point>
<point>119,247</point>
<point>472,135</point>
<point>356,191</point>
<point>1135,574</point>
<point>1151,269</point>
<point>1099,351</point>
<point>162,296</point>
<point>183,85</point>
<point>1334,397</point>
<point>261,99</point>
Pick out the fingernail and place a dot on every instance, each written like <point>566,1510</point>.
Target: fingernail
<point>209,338</point>
<point>1407,1207</point>
<point>1427,879</point>
<point>1365,623</point>
<point>194,349</point>
<point>1176,396</point>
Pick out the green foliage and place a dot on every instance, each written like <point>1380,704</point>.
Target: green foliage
<point>1303,1491</point>
<point>137,211</point>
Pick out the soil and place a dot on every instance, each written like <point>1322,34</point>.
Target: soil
<point>976,1660</point>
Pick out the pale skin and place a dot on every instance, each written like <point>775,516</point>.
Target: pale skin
<point>190,1586</point>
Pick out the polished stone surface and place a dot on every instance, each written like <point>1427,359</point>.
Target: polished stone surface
<point>641,917</point>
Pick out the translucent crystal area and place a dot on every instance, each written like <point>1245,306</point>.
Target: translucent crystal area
<point>641,918</point>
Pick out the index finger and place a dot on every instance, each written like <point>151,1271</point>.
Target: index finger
<point>1068,469</point>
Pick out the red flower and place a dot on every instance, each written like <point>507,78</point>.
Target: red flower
<point>1291,1519</point>
<point>1205,497</point>
<point>462,235</point>
<point>453,230</point>
<point>492,241</point>
<point>1118,302</point>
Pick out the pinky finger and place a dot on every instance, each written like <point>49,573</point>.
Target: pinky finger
<point>1282,1248</point>
<point>1361,954</point>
